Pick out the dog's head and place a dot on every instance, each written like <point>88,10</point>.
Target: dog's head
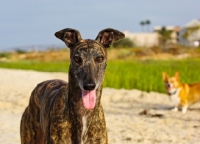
<point>171,83</point>
<point>88,59</point>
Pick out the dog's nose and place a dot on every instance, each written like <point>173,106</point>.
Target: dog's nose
<point>89,86</point>
<point>168,85</point>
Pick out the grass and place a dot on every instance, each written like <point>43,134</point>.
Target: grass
<point>62,66</point>
<point>143,75</point>
<point>147,75</point>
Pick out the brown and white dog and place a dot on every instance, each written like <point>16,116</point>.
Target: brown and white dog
<point>181,94</point>
<point>71,113</point>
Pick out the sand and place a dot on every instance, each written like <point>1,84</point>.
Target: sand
<point>132,116</point>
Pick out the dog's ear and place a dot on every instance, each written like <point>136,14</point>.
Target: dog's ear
<point>177,75</point>
<point>107,36</point>
<point>164,76</point>
<point>70,36</point>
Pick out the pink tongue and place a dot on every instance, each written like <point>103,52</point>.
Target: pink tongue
<point>89,99</point>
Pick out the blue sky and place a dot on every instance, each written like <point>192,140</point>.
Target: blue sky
<point>34,22</point>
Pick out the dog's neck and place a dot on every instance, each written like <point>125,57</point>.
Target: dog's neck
<point>172,93</point>
<point>176,90</point>
<point>80,116</point>
<point>75,96</point>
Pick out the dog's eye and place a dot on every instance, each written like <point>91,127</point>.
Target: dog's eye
<point>77,59</point>
<point>100,59</point>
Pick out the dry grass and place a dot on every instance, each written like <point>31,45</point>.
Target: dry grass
<point>154,53</point>
<point>45,56</point>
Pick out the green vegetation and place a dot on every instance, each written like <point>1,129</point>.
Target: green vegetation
<point>147,75</point>
<point>20,51</point>
<point>143,75</point>
<point>37,65</point>
<point>165,37</point>
<point>4,55</point>
<point>189,31</point>
<point>125,43</point>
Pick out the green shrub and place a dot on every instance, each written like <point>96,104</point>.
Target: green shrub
<point>20,51</point>
<point>124,43</point>
<point>4,55</point>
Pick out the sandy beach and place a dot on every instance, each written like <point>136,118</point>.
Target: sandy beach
<point>132,116</point>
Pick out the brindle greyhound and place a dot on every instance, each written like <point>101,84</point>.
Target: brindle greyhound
<point>71,113</point>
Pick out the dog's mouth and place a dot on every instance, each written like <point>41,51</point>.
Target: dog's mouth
<point>168,86</point>
<point>89,99</point>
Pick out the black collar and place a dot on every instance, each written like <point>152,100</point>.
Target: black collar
<point>172,93</point>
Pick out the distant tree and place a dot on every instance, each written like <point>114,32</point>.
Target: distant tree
<point>165,36</point>
<point>190,31</point>
<point>20,51</point>
<point>124,43</point>
<point>148,22</point>
<point>5,54</point>
<point>142,23</point>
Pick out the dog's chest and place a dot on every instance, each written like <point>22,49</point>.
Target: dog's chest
<point>85,128</point>
<point>175,99</point>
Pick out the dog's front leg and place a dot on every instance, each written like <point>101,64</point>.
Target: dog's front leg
<point>184,108</point>
<point>175,109</point>
<point>59,133</point>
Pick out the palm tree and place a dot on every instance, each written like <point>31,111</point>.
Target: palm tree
<point>142,23</point>
<point>147,22</point>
